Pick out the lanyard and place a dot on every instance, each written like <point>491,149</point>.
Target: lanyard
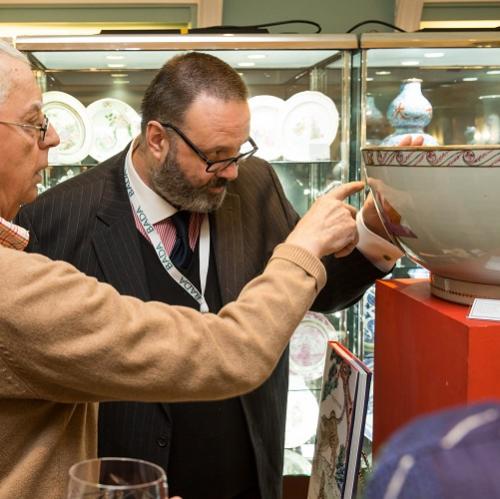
<point>170,268</point>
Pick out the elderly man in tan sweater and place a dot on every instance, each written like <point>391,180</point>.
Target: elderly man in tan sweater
<point>59,348</point>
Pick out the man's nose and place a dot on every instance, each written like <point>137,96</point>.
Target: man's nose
<point>51,138</point>
<point>230,173</point>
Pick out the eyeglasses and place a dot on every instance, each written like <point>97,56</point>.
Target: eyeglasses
<point>43,127</point>
<point>217,165</point>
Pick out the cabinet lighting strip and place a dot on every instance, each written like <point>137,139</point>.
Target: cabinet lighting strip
<point>186,42</point>
<point>441,40</point>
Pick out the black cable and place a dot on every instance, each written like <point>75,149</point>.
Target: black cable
<point>293,21</point>
<point>258,26</point>
<point>375,21</point>
<point>236,29</point>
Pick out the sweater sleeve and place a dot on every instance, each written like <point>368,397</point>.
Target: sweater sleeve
<point>66,337</point>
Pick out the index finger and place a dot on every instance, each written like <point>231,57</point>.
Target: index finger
<point>418,141</point>
<point>345,190</point>
<point>405,141</point>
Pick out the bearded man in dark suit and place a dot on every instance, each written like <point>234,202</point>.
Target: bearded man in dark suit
<point>189,187</point>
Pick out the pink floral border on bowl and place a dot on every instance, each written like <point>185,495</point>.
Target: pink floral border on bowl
<point>432,157</point>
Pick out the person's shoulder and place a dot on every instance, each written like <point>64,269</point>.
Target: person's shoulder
<point>254,163</point>
<point>87,183</point>
<point>258,183</point>
<point>255,170</point>
<point>60,193</point>
<point>89,177</point>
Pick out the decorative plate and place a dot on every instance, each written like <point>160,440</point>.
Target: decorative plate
<point>115,124</point>
<point>310,124</point>
<point>266,113</point>
<point>71,121</point>
<point>301,416</point>
<point>308,345</point>
<point>369,319</point>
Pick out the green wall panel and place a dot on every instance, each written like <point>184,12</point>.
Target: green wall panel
<point>334,16</point>
<point>93,13</point>
<point>459,12</point>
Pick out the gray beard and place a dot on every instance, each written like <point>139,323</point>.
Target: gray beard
<point>170,183</point>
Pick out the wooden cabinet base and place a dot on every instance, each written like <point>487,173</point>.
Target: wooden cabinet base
<point>295,487</point>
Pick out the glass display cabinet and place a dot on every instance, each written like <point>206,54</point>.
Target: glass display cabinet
<point>300,104</point>
<point>315,101</point>
<point>459,76</point>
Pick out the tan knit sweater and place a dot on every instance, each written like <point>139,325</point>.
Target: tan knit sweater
<point>67,341</point>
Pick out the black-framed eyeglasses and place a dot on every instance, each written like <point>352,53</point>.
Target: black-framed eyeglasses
<point>249,148</point>
<point>42,128</point>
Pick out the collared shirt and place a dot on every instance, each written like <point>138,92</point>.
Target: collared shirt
<point>159,210</point>
<point>376,249</point>
<point>13,236</point>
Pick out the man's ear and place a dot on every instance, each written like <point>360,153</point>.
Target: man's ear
<point>157,140</point>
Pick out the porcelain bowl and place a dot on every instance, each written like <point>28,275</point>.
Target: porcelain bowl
<point>441,205</point>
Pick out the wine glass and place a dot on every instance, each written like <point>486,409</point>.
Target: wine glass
<point>117,478</point>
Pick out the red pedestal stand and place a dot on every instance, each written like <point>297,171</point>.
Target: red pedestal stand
<point>428,355</point>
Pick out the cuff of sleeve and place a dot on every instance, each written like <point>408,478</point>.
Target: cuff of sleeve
<point>376,249</point>
<point>304,259</point>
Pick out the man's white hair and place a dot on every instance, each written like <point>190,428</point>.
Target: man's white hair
<point>5,75</point>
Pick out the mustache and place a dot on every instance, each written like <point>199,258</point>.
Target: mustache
<point>218,182</point>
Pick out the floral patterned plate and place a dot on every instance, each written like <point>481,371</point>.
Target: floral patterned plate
<point>310,124</point>
<point>308,346</point>
<point>71,121</point>
<point>266,113</point>
<point>301,414</point>
<point>115,124</point>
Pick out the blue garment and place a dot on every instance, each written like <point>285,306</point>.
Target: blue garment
<point>452,454</point>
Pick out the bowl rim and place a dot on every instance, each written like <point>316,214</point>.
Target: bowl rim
<point>457,147</point>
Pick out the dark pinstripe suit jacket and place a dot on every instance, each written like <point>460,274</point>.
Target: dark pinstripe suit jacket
<point>88,221</point>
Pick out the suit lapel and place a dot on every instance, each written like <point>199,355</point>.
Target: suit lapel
<point>229,248</point>
<point>116,238</point>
